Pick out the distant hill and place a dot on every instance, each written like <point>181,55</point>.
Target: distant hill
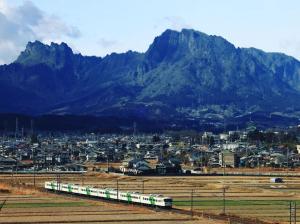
<point>185,75</point>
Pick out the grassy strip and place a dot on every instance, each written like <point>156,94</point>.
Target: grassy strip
<point>50,204</point>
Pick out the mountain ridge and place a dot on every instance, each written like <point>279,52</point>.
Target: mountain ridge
<point>185,75</point>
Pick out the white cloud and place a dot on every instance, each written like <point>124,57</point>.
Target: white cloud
<point>3,6</point>
<point>105,43</point>
<point>290,46</point>
<point>20,24</point>
<point>176,23</point>
<point>171,22</point>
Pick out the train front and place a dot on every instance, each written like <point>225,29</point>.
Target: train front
<point>168,202</point>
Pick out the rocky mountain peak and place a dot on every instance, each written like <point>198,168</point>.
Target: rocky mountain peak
<point>54,55</point>
<point>172,45</point>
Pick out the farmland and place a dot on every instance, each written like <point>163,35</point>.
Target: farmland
<point>33,206</point>
<point>247,197</point>
<point>49,209</point>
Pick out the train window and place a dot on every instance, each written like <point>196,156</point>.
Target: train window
<point>168,200</point>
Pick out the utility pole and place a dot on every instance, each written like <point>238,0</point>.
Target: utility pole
<point>117,189</point>
<point>107,165</point>
<point>58,182</point>
<point>16,170</point>
<point>290,212</point>
<point>223,163</point>
<point>33,157</point>
<point>201,158</point>
<point>12,176</point>
<point>224,201</point>
<point>34,177</point>
<point>258,165</point>
<point>192,203</point>
<point>293,212</point>
<point>143,185</point>
<point>287,161</point>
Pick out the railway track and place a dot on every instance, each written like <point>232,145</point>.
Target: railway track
<point>104,221</point>
<point>233,219</point>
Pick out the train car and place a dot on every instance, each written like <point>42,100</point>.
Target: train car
<point>167,202</point>
<point>94,192</point>
<point>51,185</point>
<point>64,187</point>
<point>130,197</point>
<point>156,200</point>
<point>75,189</point>
<point>101,193</point>
<point>111,194</point>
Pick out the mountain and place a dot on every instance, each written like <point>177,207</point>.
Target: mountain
<point>183,75</point>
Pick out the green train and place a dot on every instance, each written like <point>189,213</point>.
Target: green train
<point>111,194</point>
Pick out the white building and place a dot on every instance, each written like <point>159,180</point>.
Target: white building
<point>298,149</point>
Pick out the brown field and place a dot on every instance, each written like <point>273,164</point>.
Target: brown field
<point>246,197</point>
<point>29,205</point>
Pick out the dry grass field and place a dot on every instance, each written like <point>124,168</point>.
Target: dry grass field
<point>246,197</point>
<point>27,205</point>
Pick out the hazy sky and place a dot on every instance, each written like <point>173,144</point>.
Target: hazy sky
<point>99,27</point>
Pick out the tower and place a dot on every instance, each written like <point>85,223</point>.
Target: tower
<point>17,128</point>
<point>31,126</point>
<point>134,129</point>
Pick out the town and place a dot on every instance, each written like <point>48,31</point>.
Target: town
<point>170,153</point>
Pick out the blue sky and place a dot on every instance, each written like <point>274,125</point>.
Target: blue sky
<point>99,27</point>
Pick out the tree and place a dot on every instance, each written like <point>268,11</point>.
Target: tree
<point>155,138</point>
<point>33,139</point>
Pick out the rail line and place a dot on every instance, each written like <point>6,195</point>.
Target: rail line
<point>233,219</point>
